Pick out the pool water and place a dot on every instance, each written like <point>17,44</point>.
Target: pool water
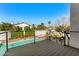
<point>18,43</point>
<point>2,50</point>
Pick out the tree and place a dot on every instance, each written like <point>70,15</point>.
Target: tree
<point>6,26</point>
<point>41,27</point>
<point>27,28</point>
<point>59,28</point>
<point>67,28</point>
<point>17,28</point>
<point>62,28</point>
<point>49,30</point>
<point>50,27</point>
<point>49,22</point>
<point>33,27</point>
<point>0,27</point>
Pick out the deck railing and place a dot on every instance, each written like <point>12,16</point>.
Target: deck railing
<point>4,36</point>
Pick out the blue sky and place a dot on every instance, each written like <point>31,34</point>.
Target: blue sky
<point>33,13</point>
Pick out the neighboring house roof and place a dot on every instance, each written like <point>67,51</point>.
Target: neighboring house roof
<point>22,24</point>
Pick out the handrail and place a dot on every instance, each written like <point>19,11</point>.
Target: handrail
<point>2,32</point>
<point>6,32</point>
<point>68,39</point>
<point>75,31</point>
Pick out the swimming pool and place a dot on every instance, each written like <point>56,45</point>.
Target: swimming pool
<point>2,50</point>
<point>18,43</point>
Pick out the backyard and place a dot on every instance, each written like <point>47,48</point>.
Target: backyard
<point>19,32</point>
<point>28,24</point>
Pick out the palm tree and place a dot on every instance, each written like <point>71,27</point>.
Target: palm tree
<point>43,27</point>
<point>49,30</point>
<point>49,25</point>
<point>49,22</point>
<point>42,24</point>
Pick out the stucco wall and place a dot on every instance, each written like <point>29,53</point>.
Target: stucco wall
<point>74,16</point>
<point>74,39</point>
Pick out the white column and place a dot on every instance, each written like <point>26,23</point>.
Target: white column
<point>23,30</point>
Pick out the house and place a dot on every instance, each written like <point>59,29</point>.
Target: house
<point>22,25</point>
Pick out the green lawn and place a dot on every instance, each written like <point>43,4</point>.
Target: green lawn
<point>19,34</point>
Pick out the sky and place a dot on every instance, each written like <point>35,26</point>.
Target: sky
<point>33,13</point>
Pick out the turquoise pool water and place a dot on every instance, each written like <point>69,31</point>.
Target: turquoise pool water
<point>2,50</point>
<point>18,43</point>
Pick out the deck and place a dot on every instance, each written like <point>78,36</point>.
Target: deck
<point>43,48</point>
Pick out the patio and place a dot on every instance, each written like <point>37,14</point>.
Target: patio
<point>43,48</point>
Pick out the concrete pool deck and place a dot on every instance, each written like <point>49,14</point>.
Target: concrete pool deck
<point>43,48</point>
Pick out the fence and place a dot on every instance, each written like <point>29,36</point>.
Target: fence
<point>34,37</point>
<point>4,36</point>
<point>40,35</point>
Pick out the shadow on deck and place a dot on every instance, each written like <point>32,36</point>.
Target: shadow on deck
<point>43,48</point>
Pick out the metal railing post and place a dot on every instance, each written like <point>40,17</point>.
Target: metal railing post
<point>64,39</point>
<point>34,36</point>
<point>6,41</point>
<point>68,42</point>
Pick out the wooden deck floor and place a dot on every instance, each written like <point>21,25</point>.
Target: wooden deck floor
<point>43,48</point>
